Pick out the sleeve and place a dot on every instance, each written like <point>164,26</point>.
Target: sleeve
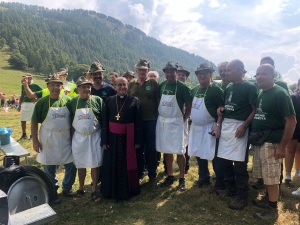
<point>157,90</point>
<point>39,94</point>
<point>187,95</point>
<point>252,94</point>
<point>138,132</point>
<point>69,106</point>
<point>36,115</point>
<point>219,96</point>
<point>104,124</point>
<point>38,87</point>
<point>285,105</point>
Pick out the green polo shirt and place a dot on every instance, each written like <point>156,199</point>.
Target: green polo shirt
<point>148,94</point>
<point>183,93</point>
<point>33,87</point>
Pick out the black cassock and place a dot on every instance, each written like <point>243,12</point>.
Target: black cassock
<point>116,181</point>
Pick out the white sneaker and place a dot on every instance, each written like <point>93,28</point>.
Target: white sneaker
<point>297,193</point>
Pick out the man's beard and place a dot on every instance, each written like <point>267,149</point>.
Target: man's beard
<point>97,80</point>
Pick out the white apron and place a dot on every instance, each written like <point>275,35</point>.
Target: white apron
<point>27,111</point>
<point>170,126</point>
<point>186,133</point>
<point>230,147</point>
<point>55,137</point>
<point>86,149</point>
<point>201,143</point>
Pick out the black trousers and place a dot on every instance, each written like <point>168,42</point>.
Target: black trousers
<point>236,175</point>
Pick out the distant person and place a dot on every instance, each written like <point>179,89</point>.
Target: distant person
<point>153,75</point>
<point>275,118</point>
<point>26,104</point>
<point>147,91</point>
<point>86,112</point>
<point>121,137</point>
<point>182,75</point>
<point>88,76</point>
<point>53,144</point>
<point>129,75</point>
<point>170,123</point>
<point>13,100</point>
<point>2,99</point>
<point>100,88</point>
<point>112,77</point>
<point>223,75</point>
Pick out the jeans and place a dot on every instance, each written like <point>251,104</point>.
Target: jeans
<point>69,178</point>
<point>203,171</point>
<point>146,154</point>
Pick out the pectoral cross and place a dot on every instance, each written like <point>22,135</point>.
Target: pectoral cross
<point>117,116</point>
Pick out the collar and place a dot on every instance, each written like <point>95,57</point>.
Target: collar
<point>136,80</point>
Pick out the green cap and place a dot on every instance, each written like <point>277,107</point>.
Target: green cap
<point>96,67</point>
<point>82,80</point>
<point>142,64</point>
<point>180,68</point>
<point>170,65</point>
<point>128,73</point>
<point>204,66</point>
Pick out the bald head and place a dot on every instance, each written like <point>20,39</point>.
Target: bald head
<point>265,75</point>
<point>121,86</point>
<point>268,68</point>
<point>235,71</point>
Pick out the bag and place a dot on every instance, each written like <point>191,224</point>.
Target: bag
<point>5,135</point>
<point>258,137</point>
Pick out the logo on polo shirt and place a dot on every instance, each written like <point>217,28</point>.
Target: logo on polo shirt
<point>84,117</point>
<point>167,104</point>
<point>168,92</point>
<point>148,88</point>
<point>59,115</point>
<point>104,93</point>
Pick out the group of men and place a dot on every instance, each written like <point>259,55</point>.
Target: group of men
<point>132,121</point>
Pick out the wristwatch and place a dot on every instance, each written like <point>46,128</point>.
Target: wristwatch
<point>218,124</point>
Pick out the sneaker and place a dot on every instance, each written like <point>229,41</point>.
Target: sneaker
<point>23,137</point>
<point>238,203</point>
<point>219,185</point>
<point>260,203</point>
<point>182,185</point>
<point>152,182</point>
<point>287,180</point>
<point>297,192</point>
<point>69,193</point>
<point>268,214</point>
<point>200,183</point>
<point>168,181</point>
<point>259,184</point>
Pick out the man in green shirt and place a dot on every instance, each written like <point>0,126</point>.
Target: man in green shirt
<point>223,75</point>
<point>129,75</point>
<point>240,99</point>
<point>170,123</point>
<point>54,142</point>
<point>147,91</point>
<point>27,104</point>
<point>206,126</point>
<point>275,112</point>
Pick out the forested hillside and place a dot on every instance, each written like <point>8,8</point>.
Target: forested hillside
<point>48,39</point>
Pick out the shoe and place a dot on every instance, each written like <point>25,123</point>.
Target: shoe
<point>95,196</point>
<point>200,183</point>
<point>268,214</point>
<point>69,193</point>
<point>287,180</point>
<point>79,194</point>
<point>152,182</point>
<point>219,185</point>
<point>182,185</point>
<point>23,137</point>
<point>261,203</point>
<point>259,184</point>
<point>168,181</point>
<point>238,203</point>
<point>297,192</point>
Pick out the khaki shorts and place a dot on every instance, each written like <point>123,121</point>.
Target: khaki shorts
<point>265,165</point>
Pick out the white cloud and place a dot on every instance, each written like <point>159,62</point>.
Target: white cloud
<point>214,4</point>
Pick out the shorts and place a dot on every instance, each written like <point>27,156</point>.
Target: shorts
<point>296,135</point>
<point>27,111</point>
<point>265,165</point>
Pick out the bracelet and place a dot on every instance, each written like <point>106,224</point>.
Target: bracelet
<point>218,125</point>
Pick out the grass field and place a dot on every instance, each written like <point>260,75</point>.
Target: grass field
<point>153,206</point>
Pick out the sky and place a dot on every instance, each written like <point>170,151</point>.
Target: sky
<point>218,30</point>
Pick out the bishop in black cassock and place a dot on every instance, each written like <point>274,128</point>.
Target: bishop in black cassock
<point>121,134</point>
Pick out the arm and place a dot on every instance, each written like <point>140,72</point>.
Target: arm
<point>20,102</point>
<point>287,136</point>
<point>187,113</point>
<point>217,128</point>
<point>240,131</point>
<point>34,132</point>
<point>28,91</point>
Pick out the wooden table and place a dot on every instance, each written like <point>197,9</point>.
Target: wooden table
<point>14,148</point>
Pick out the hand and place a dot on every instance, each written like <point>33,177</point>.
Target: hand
<point>280,152</point>
<point>24,81</point>
<point>34,100</point>
<point>219,111</point>
<point>19,108</point>
<point>37,146</point>
<point>105,147</point>
<point>137,146</point>
<point>240,131</point>
<point>217,130</point>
